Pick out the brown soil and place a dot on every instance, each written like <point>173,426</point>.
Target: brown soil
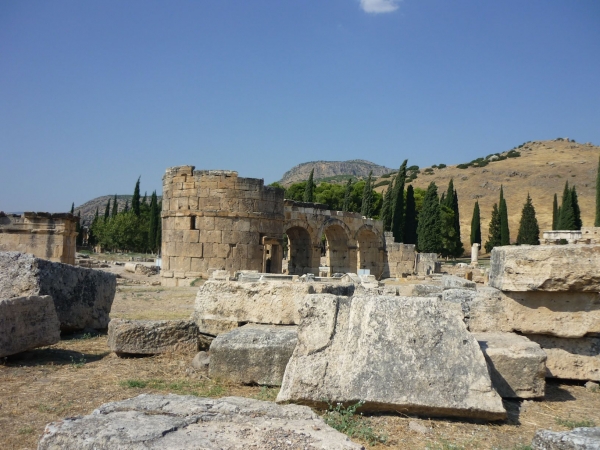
<point>79,374</point>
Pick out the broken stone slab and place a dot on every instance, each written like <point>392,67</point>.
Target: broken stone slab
<point>462,297</point>
<point>576,439</point>
<point>545,268</point>
<point>405,354</point>
<point>170,422</point>
<point>454,282</point>
<point>562,314</point>
<point>420,290</point>
<point>82,297</point>
<point>253,354</point>
<point>516,364</point>
<point>201,361</point>
<point>572,359</point>
<point>27,323</point>
<point>151,337</point>
<point>222,306</point>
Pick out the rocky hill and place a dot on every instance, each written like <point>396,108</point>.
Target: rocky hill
<point>88,209</point>
<point>540,169</point>
<point>325,170</point>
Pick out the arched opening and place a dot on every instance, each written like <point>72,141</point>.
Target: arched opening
<point>299,250</point>
<point>337,249</point>
<point>368,251</point>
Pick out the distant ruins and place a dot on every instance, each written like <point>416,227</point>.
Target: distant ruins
<point>215,220</point>
<point>45,235</point>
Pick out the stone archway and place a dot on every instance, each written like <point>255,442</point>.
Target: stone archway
<point>341,254</point>
<point>370,250</point>
<point>300,251</point>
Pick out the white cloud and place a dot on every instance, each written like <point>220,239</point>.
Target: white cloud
<point>379,6</point>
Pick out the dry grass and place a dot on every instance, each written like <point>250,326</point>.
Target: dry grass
<point>77,375</point>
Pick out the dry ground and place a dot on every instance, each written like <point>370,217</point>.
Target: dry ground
<point>79,374</point>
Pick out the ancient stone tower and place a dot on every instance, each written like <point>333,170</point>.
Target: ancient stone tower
<point>214,220</point>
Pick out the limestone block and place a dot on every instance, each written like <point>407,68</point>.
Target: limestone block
<point>221,305</point>
<point>487,311</point>
<point>546,268</point>
<point>82,297</point>
<point>180,263</point>
<point>406,354</point>
<point>210,236</point>
<point>180,223</point>
<point>576,439</point>
<point>205,223</point>
<point>453,282</point>
<point>150,337</point>
<point>516,364</point>
<point>26,323</point>
<point>190,249</point>
<point>575,359</point>
<point>420,290</point>
<point>191,236</point>
<point>253,354</point>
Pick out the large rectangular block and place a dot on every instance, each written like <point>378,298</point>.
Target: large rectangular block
<point>82,297</point>
<point>546,268</point>
<point>151,337</point>
<point>26,323</point>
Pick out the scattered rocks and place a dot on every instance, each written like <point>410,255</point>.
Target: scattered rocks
<point>576,439</point>
<point>177,422</point>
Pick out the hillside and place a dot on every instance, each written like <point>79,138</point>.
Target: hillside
<point>358,168</point>
<point>541,169</point>
<point>88,209</point>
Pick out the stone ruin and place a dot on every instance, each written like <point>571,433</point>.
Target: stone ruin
<point>45,235</point>
<point>214,220</point>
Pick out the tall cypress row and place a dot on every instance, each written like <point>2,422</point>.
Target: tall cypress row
<point>386,208</point>
<point>503,210</point>
<point>555,213</point>
<point>476,225</point>
<point>566,218</point>
<point>529,230</point>
<point>398,204</point>
<point>410,223</point>
<point>135,201</point>
<point>107,210</point>
<point>429,229</point>
<point>115,207</point>
<point>367,198</point>
<point>309,190</point>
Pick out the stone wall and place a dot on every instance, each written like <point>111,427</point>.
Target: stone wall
<point>45,235</point>
<point>400,258</point>
<point>215,220</point>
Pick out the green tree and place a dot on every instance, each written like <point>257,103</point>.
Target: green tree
<point>566,219</point>
<point>126,209</point>
<point>73,208</point>
<point>115,207</point>
<point>91,236</point>
<point>153,226</point>
<point>503,211</point>
<point>448,233</point>
<point>296,191</point>
<point>410,224</point>
<point>576,210</point>
<point>398,204</point>
<point>347,195</point>
<point>529,230</point>
<point>107,210</point>
<point>555,213</point>
<point>597,219</point>
<point>135,201</point>
<point>494,230</point>
<point>429,227</point>
<point>367,198</point>
<point>79,230</point>
<point>454,246</point>
<point>158,243</point>
<point>386,209</point>
<point>476,225</point>
<point>309,190</point>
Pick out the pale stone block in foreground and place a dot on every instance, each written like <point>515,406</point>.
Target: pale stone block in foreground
<point>169,422</point>
<point>26,323</point>
<point>411,355</point>
<point>517,365</point>
<point>576,439</point>
<point>546,268</point>
<point>253,354</point>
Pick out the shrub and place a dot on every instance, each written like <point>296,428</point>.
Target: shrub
<point>345,420</point>
<point>382,183</point>
<point>413,168</point>
<point>513,154</point>
<point>463,166</point>
<point>441,166</point>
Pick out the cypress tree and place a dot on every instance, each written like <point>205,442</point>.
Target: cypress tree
<point>555,213</point>
<point>107,210</point>
<point>566,218</point>
<point>159,229</point>
<point>115,207</point>
<point>347,195</point>
<point>367,198</point>
<point>126,209</point>
<point>429,228</point>
<point>410,224</point>
<point>79,230</point>
<point>529,230</point>
<point>309,190</point>
<point>73,208</point>
<point>494,230</point>
<point>398,204</point>
<point>503,211</point>
<point>476,225</point>
<point>576,210</point>
<point>386,208</point>
<point>153,225</point>
<point>597,219</point>
<point>458,247</point>
<point>135,201</point>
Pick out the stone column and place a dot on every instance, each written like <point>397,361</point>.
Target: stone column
<point>475,254</point>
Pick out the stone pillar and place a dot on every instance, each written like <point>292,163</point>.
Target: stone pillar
<point>475,254</point>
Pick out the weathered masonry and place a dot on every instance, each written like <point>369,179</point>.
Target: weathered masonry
<point>215,220</point>
<point>45,235</point>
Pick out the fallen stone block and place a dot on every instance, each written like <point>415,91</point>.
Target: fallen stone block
<point>453,282</point>
<point>545,268</point>
<point>151,337</point>
<point>420,290</point>
<point>222,306</point>
<point>573,359</point>
<point>516,364</point>
<point>201,361</point>
<point>403,354</point>
<point>179,422</point>
<point>253,354</point>
<point>26,323</point>
<point>576,439</point>
<point>82,297</point>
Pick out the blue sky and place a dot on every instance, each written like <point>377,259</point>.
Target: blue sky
<point>94,94</point>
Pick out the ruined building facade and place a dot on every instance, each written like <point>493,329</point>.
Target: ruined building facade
<point>215,220</point>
